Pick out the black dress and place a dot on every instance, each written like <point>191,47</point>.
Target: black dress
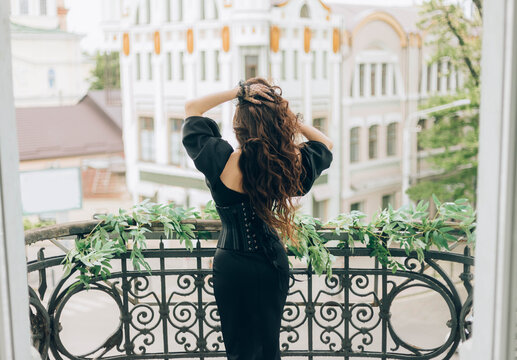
<point>250,266</point>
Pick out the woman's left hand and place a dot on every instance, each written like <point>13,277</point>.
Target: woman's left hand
<point>253,90</point>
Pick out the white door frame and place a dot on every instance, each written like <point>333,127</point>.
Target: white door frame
<point>495,275</point>
<point>14,303</point>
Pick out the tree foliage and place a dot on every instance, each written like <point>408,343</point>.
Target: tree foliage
<point>106,73</point>
<point>452,142</point>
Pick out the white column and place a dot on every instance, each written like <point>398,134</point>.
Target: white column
<point>190,74</point>
<point>276,67</point>
<point>378,79</point>
<point>14,303</point>
<point>346,102</point>
<point>227,109</point>
<point>336,134</point>
<point>306,74</point>
<point>443,78</point>
<point>130,124</point>
<point>495,272</point>
<point>160,118</point>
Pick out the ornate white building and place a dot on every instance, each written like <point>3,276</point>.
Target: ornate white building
<point>356,73</point>
<point>49,68</point>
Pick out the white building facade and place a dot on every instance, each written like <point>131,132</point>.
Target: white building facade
<point>49,68</point>
<point>355,73</point>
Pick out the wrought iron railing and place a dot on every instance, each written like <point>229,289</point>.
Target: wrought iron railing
<point>172,314</point>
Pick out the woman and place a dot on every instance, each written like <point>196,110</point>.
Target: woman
<point>253,188</point>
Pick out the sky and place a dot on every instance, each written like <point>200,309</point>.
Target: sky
<point>84,17</point>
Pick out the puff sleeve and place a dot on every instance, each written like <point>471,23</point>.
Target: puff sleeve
<point>202,140</point>
<point>316,157</point>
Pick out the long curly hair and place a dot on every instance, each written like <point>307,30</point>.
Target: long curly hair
<point>269,161</point>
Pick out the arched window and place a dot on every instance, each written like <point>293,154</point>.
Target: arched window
<point>372,141</point>
<point>304,12</point>
<point>354,144</point>
<point>391,143</point>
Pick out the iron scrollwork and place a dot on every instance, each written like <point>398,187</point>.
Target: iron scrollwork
<point>172,312</point>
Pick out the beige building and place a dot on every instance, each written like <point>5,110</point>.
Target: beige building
<point>356,72</point>
<point>49,68</point>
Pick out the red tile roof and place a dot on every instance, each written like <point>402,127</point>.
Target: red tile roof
<point>53,132</point>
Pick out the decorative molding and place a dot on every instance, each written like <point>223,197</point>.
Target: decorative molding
<point>225,33</point>
<point>325,6</point>
<point>415,40</point>
<point>190,41</point>
<point>336,40</point>
<point>228,4</point>
<point>125,43</point>
<point>307,39</point>
<point>347,38</point>
<point>157,43</point>
<point>388,19</point>
<point>282,3</point>
<point>274,38</point>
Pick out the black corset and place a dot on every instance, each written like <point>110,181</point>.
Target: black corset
<point>243,230</point>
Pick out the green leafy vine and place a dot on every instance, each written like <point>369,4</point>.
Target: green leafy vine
<point>409,227</point>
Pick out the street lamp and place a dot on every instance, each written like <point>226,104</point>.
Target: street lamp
<point>406,141</point>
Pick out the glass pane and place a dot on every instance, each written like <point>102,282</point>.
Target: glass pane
<point>251,66</point>
<point>361,80</point>
<point>373,70</point>
<point>383,78</point>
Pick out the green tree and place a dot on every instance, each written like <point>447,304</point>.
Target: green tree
<point>106,73</point>
<point>455,34</point>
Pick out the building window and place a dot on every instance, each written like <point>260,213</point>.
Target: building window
<point>43,7</point>
<point>250,66</point>
<point>217,66</point>
<point>24,7</point>
<point>319,209</point>
<point>313,64</point>
<point>439,76</point>
<point>421,127</point>
<point>373,70</point>
<point>148,8</point>
<point>51,78</point>
<point>168,10</point>
<point>391,148</point>
<point>449,75</point>
<point>384,75</point>
<point>138,67</point>
<point>216,12</point>
<point>150,66</point>
<point>429,77</point>
<point>283,65</point>
<point>169,66</point>
<point>394,83</point>
<point>324,65</point>
<point>202,66</point>
<point>180,10</point>
<point>202,9</point>
<point>295,65</point>
<point>354,144</point>
<point>175,146</point>
<point>182,66</point>
<point>320,124</point>
<point>146,139</point>
<point>361,79</point>
<point>387,200</point>
<point>304,12</point>
<point>357,206</point>
<point>372,141</point>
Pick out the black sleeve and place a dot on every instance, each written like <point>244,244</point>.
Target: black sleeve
<point>316,157</point>
<point>203,142</point>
